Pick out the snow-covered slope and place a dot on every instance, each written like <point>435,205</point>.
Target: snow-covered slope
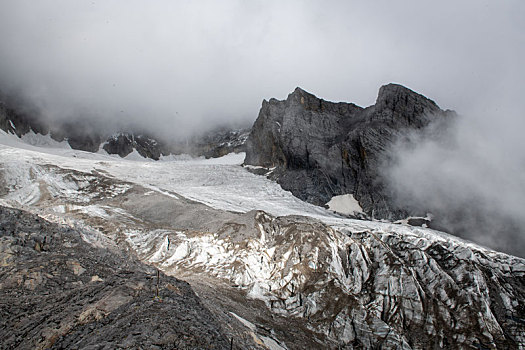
<point>353,283</point>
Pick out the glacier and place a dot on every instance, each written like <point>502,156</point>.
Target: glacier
<point>239,238</point>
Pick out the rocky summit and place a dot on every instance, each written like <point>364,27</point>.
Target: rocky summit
<point>321,149</point>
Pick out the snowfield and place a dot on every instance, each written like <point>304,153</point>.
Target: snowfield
<point>221,183</point>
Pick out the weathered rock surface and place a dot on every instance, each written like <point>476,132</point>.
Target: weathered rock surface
<point>387,287</point>
<point>81,135</point>
<point>322,149</point>
<point>124,143</point>
<point>212,144</point>
<point>19,122</point>
<point>222,141</point>
<point>58,291</point>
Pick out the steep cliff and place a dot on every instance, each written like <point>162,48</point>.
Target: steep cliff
<point>322,149</point>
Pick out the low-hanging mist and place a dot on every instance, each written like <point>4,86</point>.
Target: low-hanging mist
<point>174,67</point>
<point>470,175</point>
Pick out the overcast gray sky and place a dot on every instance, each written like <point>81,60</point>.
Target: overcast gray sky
<point>183,64</point>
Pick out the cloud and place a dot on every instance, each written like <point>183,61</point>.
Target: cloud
<point>471,175</point>
<point>178,66</point>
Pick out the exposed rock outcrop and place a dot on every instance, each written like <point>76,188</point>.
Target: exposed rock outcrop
<point>81,135</point>
<point>212,144</point>
<point>19,122</point>
<point>124,143</point>
<point>223,141</point>
<point>322,149</point>
<point>59,291</point>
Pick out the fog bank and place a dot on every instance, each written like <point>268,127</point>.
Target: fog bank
<point>471,176</point>
<point>177,66</point>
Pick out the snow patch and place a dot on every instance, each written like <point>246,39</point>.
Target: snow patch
<point>271,344</point>
<point>136,156</point>
<point>345,204</point>
<point>244,322</point>
<point>228,159</point>
<point>268,342</point>
<point>176,158</point>
<point>39,140</point>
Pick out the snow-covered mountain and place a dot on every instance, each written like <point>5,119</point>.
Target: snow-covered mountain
<point>275,272</point>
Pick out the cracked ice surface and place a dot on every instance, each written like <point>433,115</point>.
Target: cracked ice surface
<point>364,281</point>
<point>220,183</point>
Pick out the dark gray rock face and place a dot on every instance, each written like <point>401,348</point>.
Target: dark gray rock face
<point>81,135</point>
<point>212,144</point>
<point>58,291</point>
<point>321,149</point>
<point>19,123</point>
<point>124,143</point>
<point>220,142</point>
<point>120,144</point>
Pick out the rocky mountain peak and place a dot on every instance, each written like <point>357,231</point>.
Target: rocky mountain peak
<point>299,95</point>
<point>393,91</point>
<point>310,102</point>
<point>306,100</point>
<point>397,101</point>
<point>323,149</point>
